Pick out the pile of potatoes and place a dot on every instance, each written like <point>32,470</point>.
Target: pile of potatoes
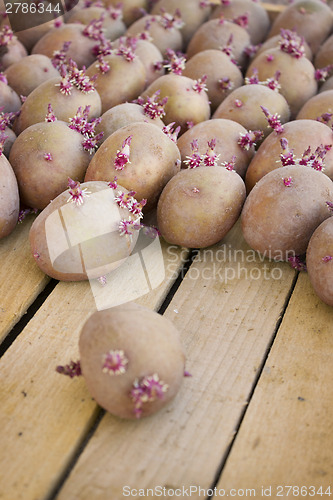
<point>198,112</point>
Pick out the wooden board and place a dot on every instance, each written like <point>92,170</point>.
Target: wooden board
<point>20,279</point>
<point>226,310</point>
<point>286,437</point>
<point>46,416</point>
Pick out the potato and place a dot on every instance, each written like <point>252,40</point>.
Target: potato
<point>254,16</point>
<point>309,18</point>
<point>131,9</point>
<point>113,27</point>
<point>35,107</point>
<point>131,372</point>
<point>43,157</point>
<point>274,42</point>
<point>83,239</point>
<point>243,105</point>
<point>80,48</point>
<point>216,35</point>
<point>186,106</point>
<point>154,159</point>
<point>319,105</point>
<point>193,14</point>
<point>9,100</point>
<point>123,81</point>
<point>122,115</point>
<point>25,75</point>
<point>9,198</point>
<point>284,209</point>
<point>29,37</point>
<point>222,74</point>
<point>226,133</point>
<point>199,206</point>
<point>300,135</point>
<point>161,33</point>
<point>11,53</point>
<point>319,261</point>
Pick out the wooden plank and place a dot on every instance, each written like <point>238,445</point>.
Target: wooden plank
<point>20,279</point>
<point>45,415</point>
<point>226,310</point>
<point>286,437</point>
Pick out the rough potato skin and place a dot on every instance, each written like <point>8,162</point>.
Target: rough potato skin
<point>151,345</point>
<point>41,180</point>
<point>75,243</point>
<point>9,198</point>
<point>278,219</point>
<point>300,134</point>
<point>319,261</point>
<point>198,206</point>
<point>154,158</point>
<point>35,107</point>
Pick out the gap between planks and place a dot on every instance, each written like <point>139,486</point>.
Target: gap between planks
<point>227,330</point>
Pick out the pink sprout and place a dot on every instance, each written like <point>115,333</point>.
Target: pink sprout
<point>6,36</point>
<point>48,157</point>
<point>3,78</point>
<point>115,362</point>
<point>127,227</point>
<point>227,49</point>
<point>287,158</point>
<point>127,48</point>
<point>238,103</point>
<point>325,118</point>
<point>77,194</point>
<point>200,85</point>
<point>273,83</point>
<point>210,158</point>
<point>242,20</point>
<point>94,29</point>
<point>297,263</point>
<point>73,369</point>
<point>225,84</point>
<point>273,120</point>
<point>153,107</point>
<point>113,184</point>
<point>3,138</point>
<point>59,56</point>
<point>329,205</point>
<point>125,200</point>
<point>251,50</point>
<point>147,389</point>
<point>189,124</point>
<point>102,280</point>
<point>175,62</point>
<point>150,231</point>
<point>315,160</point>
<point>169,21</point>
<point>321,74</point>
<point>123,154</point>
<point>50,117</point>
<point>187,374</point>
<point>230,165</point>
<point>171,132</point>
<point>287,181</point>
<point>246,141</point>
<point>57,23</point>
<point>270,57</point>
<point>327,258</point>
<point>115,12</point>
<point>195,159</point>
<point>253,79</point>
<point>24,212</point>
<point>65,84</point>
<point>292,43</point>
<point>103,66</point>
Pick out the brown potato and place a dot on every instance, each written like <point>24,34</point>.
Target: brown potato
<point>35,107</point>
<point>9,100</point>
<point>284,209</point>
<point>131,372</point>
<point>154,159</point>
<point>9,198</point>
<point>199,206</point>
<point>319,105</point>
<point>319,261</point>
<point>43,157</point>
<point>82,240</point>
<point>112,27</point>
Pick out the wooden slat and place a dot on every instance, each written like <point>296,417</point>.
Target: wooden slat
<point>226,329</point>
<point>20,279</point>
<point>286,437</point>
<point>45,415</point>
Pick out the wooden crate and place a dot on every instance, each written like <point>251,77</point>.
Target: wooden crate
<point>254,419</point>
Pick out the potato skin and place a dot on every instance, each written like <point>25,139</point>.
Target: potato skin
<point>35,107</point>
<point>41,180</point>
<point>319,261</point>
<point>154,158</point>
<point>278,220</point>
<point>150,343</point>
<point>198,206</point>
<point>9,198</point>
<point>74,243</point>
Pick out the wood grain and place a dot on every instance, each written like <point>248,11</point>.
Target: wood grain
<point>227,323</point>
<point>45,416</point>
<point>21,281</point>
<point>286,437</point>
